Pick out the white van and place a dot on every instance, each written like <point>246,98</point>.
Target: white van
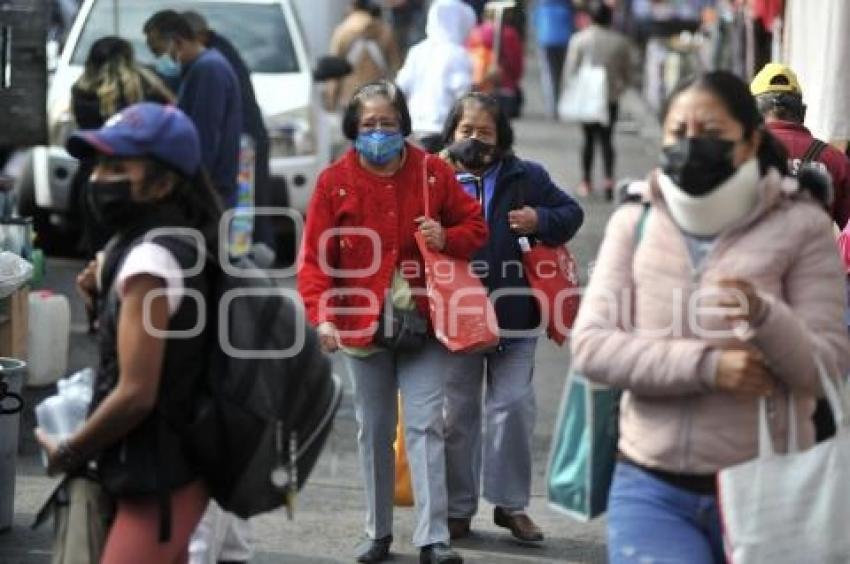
<point>270,40</point>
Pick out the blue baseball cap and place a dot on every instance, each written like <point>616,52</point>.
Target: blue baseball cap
<point>150,130</point>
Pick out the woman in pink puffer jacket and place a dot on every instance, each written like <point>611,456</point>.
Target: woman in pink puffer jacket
<point>721,289</point>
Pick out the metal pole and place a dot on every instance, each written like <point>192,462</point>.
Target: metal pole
<point>497,38</point>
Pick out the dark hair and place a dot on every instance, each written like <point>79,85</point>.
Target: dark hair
<point>782,105</point>
<point>384,89</point>
<point>735,96</point>
<point>106,49</point>
<point>504,131</point>
<point>196,21</point>
<point>171,25</point>
<point>194,196</point>
<point>368,6</point>
<point>600,13</point>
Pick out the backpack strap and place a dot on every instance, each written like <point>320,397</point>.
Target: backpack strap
<point>640,227</point>
<point>814,151</point>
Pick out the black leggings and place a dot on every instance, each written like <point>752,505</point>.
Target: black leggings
<point>604,133</point>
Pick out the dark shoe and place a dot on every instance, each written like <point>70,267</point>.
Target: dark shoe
<point>374,550</point>
<point>459,527</point>
<point>520,524</point>
<point>439,553</point>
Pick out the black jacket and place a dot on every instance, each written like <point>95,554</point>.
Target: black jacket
<point>150,459</point>
<point>559,218</point>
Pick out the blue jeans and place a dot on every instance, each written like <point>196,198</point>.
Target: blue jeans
<point>651,521</point>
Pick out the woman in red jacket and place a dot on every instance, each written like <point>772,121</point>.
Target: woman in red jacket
<point>362,280</point>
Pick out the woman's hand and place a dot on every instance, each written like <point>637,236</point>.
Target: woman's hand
<point>742,302</point>
<point>435,235</point>
<point>60,457</point>
<point>523,221</point>
<point>744,372</point>
<point>328,336</point>
<point>87,284</point>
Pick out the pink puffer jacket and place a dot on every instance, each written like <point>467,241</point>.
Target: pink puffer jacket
<point>672,418</point>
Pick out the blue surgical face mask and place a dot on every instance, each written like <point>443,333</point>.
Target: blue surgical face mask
<point>379,146</point>
<point>167,67</point>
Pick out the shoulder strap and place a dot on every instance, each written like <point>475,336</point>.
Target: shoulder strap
<point>640,226</point>
<point>814,151</point>
<point>425,194</point>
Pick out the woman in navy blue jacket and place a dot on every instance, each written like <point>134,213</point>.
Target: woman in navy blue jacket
<point>520,203</point>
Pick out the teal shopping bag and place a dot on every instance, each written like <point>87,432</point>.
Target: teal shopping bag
<point>584,449</point>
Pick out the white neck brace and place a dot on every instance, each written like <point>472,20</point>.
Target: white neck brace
<point>708,215</point>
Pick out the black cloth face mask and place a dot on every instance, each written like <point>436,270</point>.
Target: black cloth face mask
<point>473,154</point>
<point>698,165</point>
<point>112,205</point>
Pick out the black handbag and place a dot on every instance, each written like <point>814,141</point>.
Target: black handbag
<point>401,330</point>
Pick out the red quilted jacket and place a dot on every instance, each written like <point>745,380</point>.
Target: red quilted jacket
<point>360,230</point>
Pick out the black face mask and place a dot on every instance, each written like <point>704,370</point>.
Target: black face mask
<point>112,205</point>
<point>698,165</point>
<point>473,154</point>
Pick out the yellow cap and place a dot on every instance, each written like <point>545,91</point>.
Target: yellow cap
<point>775,77</point>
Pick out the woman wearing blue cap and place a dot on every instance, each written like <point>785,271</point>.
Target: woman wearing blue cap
<point>148,176</point>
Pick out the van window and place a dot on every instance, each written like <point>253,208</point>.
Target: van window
<point>258,31</point>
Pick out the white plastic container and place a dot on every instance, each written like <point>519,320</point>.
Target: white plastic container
<point>49,331</point>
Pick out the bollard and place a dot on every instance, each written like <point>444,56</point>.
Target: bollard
<point>12,372</point>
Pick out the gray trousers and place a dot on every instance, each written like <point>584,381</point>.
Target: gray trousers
<point>420,376</point>
<point>510,411</point>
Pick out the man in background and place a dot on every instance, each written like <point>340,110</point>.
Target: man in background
<point>369,46</point>
<point>780,100</point>
<point>253,123</point>
<point>209,94</point>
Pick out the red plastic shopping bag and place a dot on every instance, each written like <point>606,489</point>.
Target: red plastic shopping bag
<point>461,312</point>
<point>552,273</point>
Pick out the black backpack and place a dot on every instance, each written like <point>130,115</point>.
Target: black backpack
<point>262,417</point>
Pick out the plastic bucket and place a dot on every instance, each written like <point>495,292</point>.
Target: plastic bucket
<point>12,373</point>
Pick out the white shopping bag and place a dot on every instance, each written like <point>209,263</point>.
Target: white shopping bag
<point>585,97</point>
<point>791,508</point>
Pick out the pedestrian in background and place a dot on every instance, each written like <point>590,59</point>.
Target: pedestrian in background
<point>376,188</point>
<point>165,66</point>
<point>148,177</point>
<point>111,81</point>
<point>499,74</point>
<point>438,70</point>
<point>253,123</point>
<point>519,200</point>
<point>370,47</point>
<point>553,24</point>
<point>780,100</point>
<point>209,95</point>
<point>779,97</point>
<point>721,225</point>
<point>407,18</point>
<point>600,46</point>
